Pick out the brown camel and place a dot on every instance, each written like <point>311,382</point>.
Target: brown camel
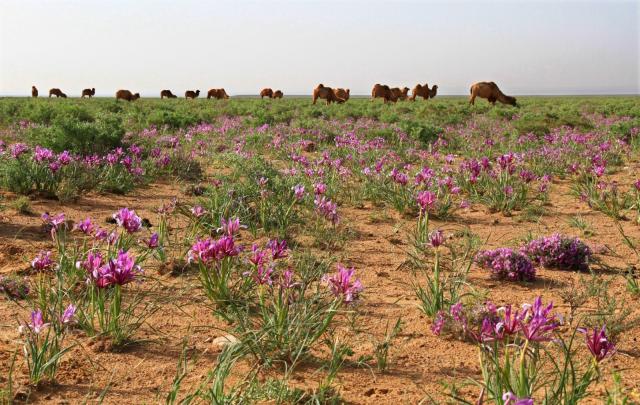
<point>191,94</point>
<point>266,92</point>
<point>89,92</point>
<point>277,94</point>
<point>424,91</point>
<point>217,93</point>
<point>400,94</point>
<point>167,94</point>
<point>127,95</point>
<point>382,91</point>
<point>57,93</point>
<point>491,92</point>
<point>34,92</point>
<point>327,94</point>
<point>343,93</point>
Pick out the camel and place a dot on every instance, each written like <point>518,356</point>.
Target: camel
<point>217,93</point>
<point>57,93</point>
<point>382,91</point>
<point>424,91</point>
<point>89,92</point>
<point>266,92</point>
<point>277,94</point>
<point>167,94</point>
<point>126,95</point>
<point>327,94</point>
<point>400,94</point>
<point>191,94</point>
<point>491,92</point>
<point>34,92</point>
<point>343,93</point>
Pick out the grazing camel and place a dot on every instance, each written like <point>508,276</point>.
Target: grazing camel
<point>126,95</point>
<point>266,92</point>
<point>327,94</point>
<point>34,92</point>
<point>89,92</point>
<point>191,94</point>
<point>167,94</point>
<point>217,93</point>
<point>399,94</point>
<point>424,91</point>
<point>57,93</point>
<point>491,92</point>
<point>277,94</point>
<point>343,93</point>
<point>382,91</point>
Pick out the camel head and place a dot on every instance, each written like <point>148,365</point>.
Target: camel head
<point>197,92</point>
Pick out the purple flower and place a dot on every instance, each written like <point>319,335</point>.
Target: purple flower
<point>262,275</point>
<point>537,323</point>
<point>286,280</point>
<point>18,149</point>
<point>342,285</point>
<point>278,249</point>
<point>509,398</point>
<point>37,323</point>
<point>319,188</point>
<point>53,221</point>
<point>68,314</point>
<point>198,211</point>
<point>42,261</point>
<point>85,226</point>
<point>42,154</point>
<point>598,343</point>
<point>209,250</point>
<point>298,192</point>
<point>559,251</point>
<point>128,219</point>
<point>92,263</point>
<point>436,238</point>
<point>426,200</point>
<point>506,264</point>
<point>327,208</point>
<point>230,226</point>
<point>438,323</point>
<point>120,271</point>
<point>153,241</point>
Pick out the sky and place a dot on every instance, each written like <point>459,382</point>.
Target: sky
<point>527,47</point>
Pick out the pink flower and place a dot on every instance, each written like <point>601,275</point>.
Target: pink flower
<point>426,200</point>
<point>230,226</point>
<point>42,261</point>
<point>278,249</point>
<point>342,285</point>
<point>598,343</point>
<point>509,398</point>
<point>68,314</point>
<point>85,226</point>
<point>198,211</point>
<point>128,219</point>
<point>436,238</point>
<point>153,243</point>
<point>298,192</point>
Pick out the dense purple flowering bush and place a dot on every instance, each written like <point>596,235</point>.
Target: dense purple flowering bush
<point>559,251</point>
<point>506,264</point>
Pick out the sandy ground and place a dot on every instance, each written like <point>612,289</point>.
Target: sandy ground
<point>419,361</point>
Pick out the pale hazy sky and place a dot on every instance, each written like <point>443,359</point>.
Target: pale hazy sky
<point>527,47</point>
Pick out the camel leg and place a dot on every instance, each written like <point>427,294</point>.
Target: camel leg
<point>472,99</point>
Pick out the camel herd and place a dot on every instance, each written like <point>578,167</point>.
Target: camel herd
<point>486,90</point>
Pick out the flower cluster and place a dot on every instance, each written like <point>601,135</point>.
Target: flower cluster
<point>327,209</point>
<point>120,270</point>
<point>559,251</point>
<point>128,219</point>
<point>209,250</point>
<point>343,284</point>
<point>506,264</point>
